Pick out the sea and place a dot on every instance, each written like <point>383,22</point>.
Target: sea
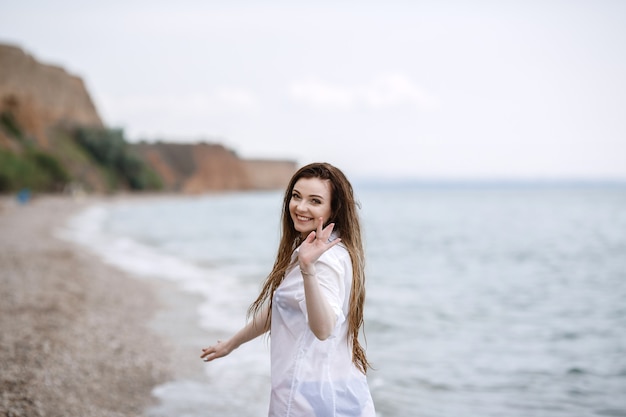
<point>483,300</point>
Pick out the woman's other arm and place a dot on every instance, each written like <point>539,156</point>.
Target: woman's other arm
<point>255,328</point>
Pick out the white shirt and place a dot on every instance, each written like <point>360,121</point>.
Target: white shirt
<point>311,377</point>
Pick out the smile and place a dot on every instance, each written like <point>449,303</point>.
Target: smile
<point>304,219</point>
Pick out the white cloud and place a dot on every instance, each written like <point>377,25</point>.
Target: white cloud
<point>387,91</point>
<point>322,95</point>
<point>232,97</point>
<point>237,98</point>
<point>396,89</point>
<point>188,114</point>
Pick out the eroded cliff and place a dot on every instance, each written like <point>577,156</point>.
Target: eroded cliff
<point>199,167</point>
<point>40,96</point>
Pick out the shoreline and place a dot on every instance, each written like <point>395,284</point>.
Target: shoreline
<point>77,336</point>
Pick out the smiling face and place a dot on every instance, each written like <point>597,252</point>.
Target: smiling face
<point>310,200</point>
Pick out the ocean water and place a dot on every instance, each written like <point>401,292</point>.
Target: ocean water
<point>505,301</point>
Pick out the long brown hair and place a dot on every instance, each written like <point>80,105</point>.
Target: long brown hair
<point>347,224</point>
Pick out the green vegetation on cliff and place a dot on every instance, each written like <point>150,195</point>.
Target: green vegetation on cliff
<point>29,167</point>
<point>121,165</point>
<point>97,159</point>
<point>33,169</point>
<point>10,125</point>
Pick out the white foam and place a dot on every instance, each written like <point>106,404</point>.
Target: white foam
<point>221,291</point>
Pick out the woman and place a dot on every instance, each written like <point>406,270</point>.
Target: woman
<point>312,303</point>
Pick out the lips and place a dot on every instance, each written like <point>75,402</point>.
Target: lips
<point>303,219</point>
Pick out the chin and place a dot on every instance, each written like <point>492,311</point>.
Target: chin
<point>304,231</point>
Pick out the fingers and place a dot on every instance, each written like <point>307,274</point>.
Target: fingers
<point>327,231</point>
<point>207,351</point>
<point>311,237</point>
<point>322,234</point>
<point>210,353</point>
<point>330,228</point>
<point>333,242</point>
<point>315,244</point>
<point>320,226</point>
<point>324,231</point>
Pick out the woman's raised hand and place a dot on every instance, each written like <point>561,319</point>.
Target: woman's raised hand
<point>315,244</point>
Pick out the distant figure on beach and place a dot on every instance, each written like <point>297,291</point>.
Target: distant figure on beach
<point>23,196</point>
<point>312,303</point>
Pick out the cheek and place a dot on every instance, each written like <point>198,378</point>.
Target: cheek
<point>327,215</point>
<point>292,206</point>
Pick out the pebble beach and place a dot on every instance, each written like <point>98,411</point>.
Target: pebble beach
<point>75,338</point>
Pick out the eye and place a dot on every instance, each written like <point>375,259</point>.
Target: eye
<point>317,201</point>
<point>295,196</point>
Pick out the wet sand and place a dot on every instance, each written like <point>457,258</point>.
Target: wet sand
<point>75,334</point>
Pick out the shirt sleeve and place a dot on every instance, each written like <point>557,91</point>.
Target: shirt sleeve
<point>331,275</point>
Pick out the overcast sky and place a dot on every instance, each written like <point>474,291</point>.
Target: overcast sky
<point>418,89</point>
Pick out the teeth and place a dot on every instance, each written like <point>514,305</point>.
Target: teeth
<point>304,219</point>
